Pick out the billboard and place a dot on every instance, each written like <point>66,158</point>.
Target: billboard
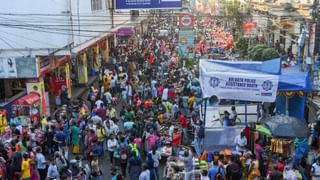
<point>186,41</point>
<point>147,4</point>
<point>16,67</point>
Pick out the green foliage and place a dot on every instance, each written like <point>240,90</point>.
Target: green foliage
<point>242,45</point>
<point>261,53</point>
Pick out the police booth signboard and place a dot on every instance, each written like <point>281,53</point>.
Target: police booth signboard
<point>238,84</point>
<point>147,4</point>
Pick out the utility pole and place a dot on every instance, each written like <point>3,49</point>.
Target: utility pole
<point>316,20</point>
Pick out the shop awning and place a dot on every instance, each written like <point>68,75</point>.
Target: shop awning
<point>27,100</point>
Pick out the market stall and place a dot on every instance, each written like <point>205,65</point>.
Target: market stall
<point>286,136</point>
<point>26,110</point>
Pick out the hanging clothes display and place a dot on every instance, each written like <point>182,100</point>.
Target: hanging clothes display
<point>281,146</point>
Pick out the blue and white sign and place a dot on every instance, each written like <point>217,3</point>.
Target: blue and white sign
<point>147,4</point>
<point>230,83</point>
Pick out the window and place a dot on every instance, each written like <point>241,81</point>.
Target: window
<point>96,5</point>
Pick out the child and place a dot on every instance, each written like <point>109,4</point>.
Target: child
<point>204,175</point>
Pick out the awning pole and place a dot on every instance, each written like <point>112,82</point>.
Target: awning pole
<point>205,111</point>
<point>246,113</point>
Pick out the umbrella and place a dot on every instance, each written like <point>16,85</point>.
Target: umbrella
<point>263,130</point>
<point>286,126</point>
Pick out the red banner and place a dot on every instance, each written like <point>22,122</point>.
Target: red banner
<point>250,29</point>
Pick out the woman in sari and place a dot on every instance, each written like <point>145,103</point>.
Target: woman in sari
<point>75,133</point>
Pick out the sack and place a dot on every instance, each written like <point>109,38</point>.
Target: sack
<point>219,175</point>
<point>76,149</point>
<point>201,132</point>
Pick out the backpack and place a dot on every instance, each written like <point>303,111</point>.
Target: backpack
<point>123,152</point>
<point>201,132</point>
<point>219,175</point>
<point>236,172</point>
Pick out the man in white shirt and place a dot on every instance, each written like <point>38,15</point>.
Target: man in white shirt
<point>165,94</point>
<point>240,141</point>
<point>112,144</point>
<point>99,102</point>
<point>41,164</point>
<point>315,170</point>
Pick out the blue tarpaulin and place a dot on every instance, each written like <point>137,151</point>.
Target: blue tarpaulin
<point>292,79</point>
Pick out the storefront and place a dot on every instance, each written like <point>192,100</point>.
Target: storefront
<point>55,77</point>
<point>13,72</point>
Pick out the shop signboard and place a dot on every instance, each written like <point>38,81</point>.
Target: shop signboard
<point>186,41</point>
<point>186,20</point>
<point>27,68</point>
<point>250,29</point>
<point>8,68</point>
<point>147,4</point>
<point>125,32</point>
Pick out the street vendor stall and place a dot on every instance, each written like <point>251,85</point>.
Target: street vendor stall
<point>27,109</point>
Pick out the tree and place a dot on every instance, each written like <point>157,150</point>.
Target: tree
<point>242,45</point>
<point>261,53</point>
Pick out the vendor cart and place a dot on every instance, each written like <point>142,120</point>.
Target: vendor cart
<point>26,110</point>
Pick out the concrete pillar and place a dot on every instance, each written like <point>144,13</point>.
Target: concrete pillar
<point>8,88</point>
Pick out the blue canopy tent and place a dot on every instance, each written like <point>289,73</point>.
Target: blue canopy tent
<point>292,89</point>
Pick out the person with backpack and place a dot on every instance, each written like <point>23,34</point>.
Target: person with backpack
<point>123,155</point>
<point>216,172</point>
<point>233,170</point>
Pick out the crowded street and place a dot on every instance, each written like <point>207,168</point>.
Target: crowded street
<point>159,90</point>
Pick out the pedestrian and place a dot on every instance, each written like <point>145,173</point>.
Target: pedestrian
<point>61,139</point>
<point>134,166</point>
<point>25,167</point>
<point>156,156</point>
<point>216,172</point>
<point>183,123</point>
<point>41,164</point>
<point>145,174</point>
<point>112,145</point>
<point>96,173</point>
<point>75,134</point>
<point>240,141</point>
<point>123,155</point>
<point>176,142</point>
<point>53,172</point>
<point>315,170</point>
<point>188,163</point>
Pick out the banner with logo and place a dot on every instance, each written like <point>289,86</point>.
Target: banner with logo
<point>186,20</point>
<point>186,41</point>
<point>147,4</point>
<point>239,85</point>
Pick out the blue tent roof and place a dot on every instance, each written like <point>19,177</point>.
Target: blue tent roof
<point>272,66</point>
<point>292,79</point>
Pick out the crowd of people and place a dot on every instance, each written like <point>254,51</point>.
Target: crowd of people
<point>143,100</point>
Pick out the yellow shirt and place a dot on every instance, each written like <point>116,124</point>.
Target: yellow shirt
<point>100,134</point>
<point>25,169</point>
